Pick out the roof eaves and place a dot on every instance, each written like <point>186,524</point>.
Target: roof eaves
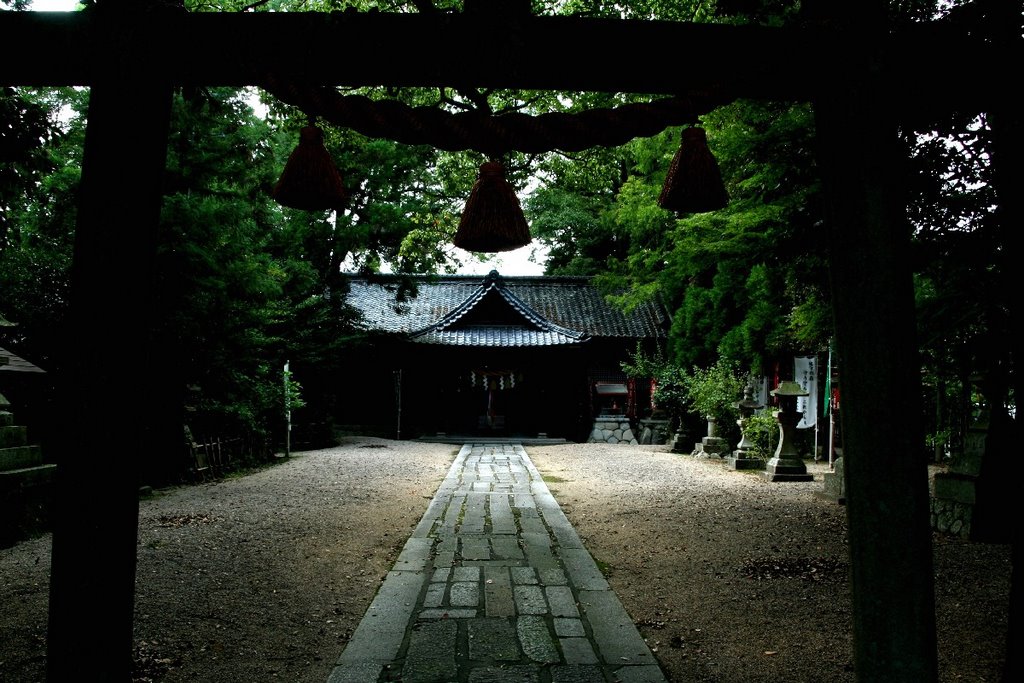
<point>451,318</point>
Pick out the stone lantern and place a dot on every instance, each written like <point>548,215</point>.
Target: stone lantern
<point>786,464</point>
<point>741,458</point>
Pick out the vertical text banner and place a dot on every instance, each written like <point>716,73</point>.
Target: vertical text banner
<point>761,394</point>
<point>806,375</point>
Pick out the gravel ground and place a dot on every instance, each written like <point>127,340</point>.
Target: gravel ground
<point>730,578</point>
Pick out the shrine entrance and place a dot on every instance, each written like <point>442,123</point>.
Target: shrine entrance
<point>507,397</point>
<point>495,395</point>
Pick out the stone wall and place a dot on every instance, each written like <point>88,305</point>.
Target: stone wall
<point>26,482</point>
<point>954,496</point>
<point>951,517</point>
<point>951,502</point>
<point>612,429</point>
<point>654,431</point>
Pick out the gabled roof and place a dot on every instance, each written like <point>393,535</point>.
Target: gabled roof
<point>502,311</point>
<point>494,316</point>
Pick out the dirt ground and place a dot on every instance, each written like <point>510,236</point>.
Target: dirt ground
<point>731,579</point>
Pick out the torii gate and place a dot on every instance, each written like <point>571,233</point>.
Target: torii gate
<point>862,78</point>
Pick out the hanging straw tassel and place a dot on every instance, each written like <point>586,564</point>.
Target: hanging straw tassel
<point>310,180</point>
<point>493,219</point>
<point>694,181</point>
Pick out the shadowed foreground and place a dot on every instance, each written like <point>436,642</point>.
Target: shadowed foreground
<point>729,578</point>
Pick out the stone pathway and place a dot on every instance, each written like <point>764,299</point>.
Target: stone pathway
<point>495,586</point>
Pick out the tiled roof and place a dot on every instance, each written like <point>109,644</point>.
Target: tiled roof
<point>547,311</point>
<point>494,316</point>
<point>9,362</point>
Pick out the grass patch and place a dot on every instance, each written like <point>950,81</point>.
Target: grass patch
<point>603,567</point>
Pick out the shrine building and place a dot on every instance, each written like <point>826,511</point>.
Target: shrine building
<point>496,356</point>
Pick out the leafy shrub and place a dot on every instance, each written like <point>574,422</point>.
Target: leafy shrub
<point>762,430</point>
<point>713,392</point>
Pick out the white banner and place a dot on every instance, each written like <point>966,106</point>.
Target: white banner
<point>761,394</point>
<point>806,375</point>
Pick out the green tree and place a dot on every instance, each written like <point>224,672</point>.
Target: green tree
<point>671,395</point>
<point>218,288</point>
<point>961,284</point>
<point>41,134</point>
<point>748,282</point>
<point>714,391</point>
<point>248,283</point>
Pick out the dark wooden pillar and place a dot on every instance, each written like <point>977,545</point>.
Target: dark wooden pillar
<point>873,304</point>
<point>1008,142</point>
<point>103,376</point>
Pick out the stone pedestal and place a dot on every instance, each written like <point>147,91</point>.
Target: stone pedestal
<point>26,482</point>
<point>710,447</point>
<point>835,484</point>
<point>680,443</point>
<point>955,493</point>
<point>952,505</point>
<point>744,462</point>
<point>977,496</point>
<point>782,470</point>
<point>742,458</point>
<point>653,431</point>
<point>786,464</point>
<point>612,429</point>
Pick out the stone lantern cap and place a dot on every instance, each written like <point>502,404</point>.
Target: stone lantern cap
<point>748,402</point>
<point>789,388</point>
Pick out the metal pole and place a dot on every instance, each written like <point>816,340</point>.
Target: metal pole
<point>817,427</point>
<point>831,438</point>
<point>817,413</point>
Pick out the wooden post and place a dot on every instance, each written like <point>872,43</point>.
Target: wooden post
<point>872,296</point>
<point>1008,128</point>
<point>104,375</point>
<point>287,411</point>
<point>398,403</point>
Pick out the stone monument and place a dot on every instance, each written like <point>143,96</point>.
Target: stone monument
<point>712,445</point>
<point>786,464</point>
<point>743,457</point>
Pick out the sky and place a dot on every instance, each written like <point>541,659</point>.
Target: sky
<point>515,262</point>
<point>54,5</point>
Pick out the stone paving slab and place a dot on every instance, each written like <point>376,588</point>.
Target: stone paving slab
<point>495,585</point>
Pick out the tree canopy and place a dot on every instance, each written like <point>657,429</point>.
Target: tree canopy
<point>247,284</point>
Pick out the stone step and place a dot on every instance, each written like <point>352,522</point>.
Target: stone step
<point>19,457</point>
<point>26,477</point>
<point>26,502</point>
<point>6,418</point>
<point>13,435</point>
